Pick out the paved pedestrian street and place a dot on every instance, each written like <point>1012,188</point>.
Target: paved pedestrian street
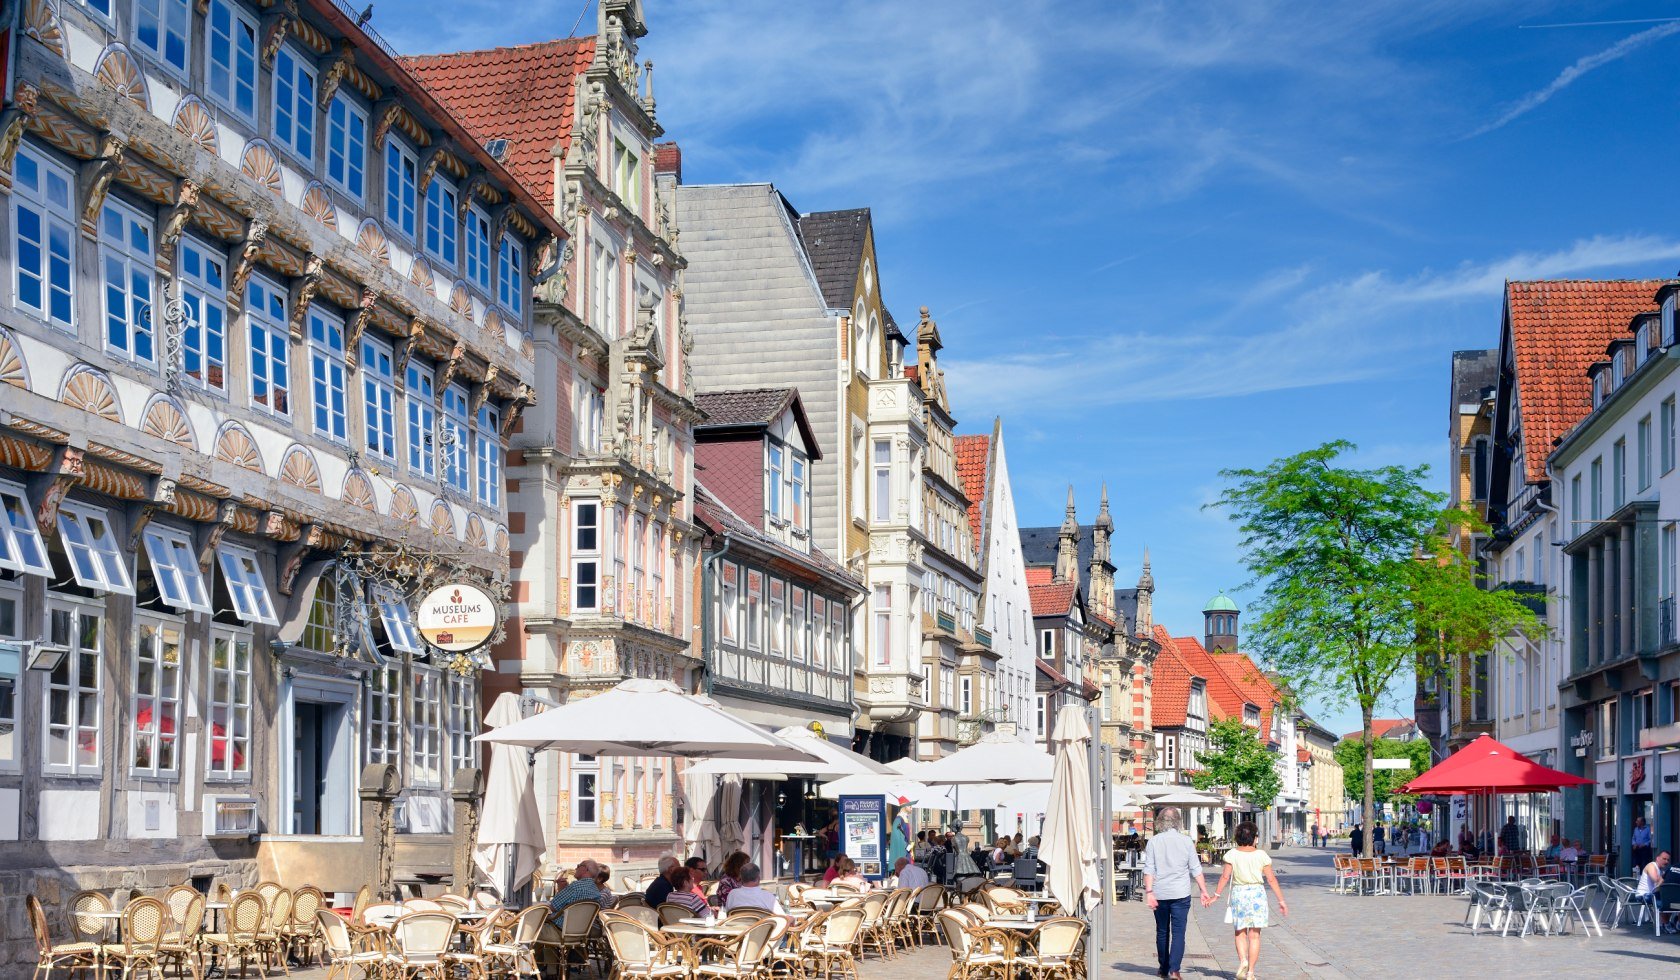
<point>1331,935</point>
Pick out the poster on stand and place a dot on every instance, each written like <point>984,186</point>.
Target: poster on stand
<point>863,833</point>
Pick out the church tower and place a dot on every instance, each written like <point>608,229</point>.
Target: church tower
<point>1145,599</point>
<point>1067,546</point>
<point>1219,620</point>
<point>1100,577</point>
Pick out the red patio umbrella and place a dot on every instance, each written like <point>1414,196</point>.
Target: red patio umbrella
<point>1489,767</point>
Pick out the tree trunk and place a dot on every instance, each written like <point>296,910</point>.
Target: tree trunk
<point>1369,810</point>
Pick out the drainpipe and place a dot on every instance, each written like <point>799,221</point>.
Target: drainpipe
<point>707,576</point>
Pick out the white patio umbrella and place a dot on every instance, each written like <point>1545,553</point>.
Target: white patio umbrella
<point>828,759</point>
<point>510,836</point>
<point>729,817</point>
<point>700,831</point>
<point>1188,797</point>
<point>981,775</point>
<point>646,717</point>
<point>1068,850</point>
<point>899,790</point>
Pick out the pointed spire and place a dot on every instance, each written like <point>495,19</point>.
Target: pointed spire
<point>1103,520</point>
<point>1067,544</point>
<point>1147,579</point>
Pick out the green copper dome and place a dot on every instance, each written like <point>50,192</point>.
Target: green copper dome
<point>1220,603</point>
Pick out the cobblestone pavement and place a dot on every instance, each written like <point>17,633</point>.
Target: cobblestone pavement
<point>1331,935</point>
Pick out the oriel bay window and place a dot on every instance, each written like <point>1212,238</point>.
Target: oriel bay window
<point>44,235</point>
<point>74,688</point>
<point>778,618</point>
<point>127,266</point>
<point>755,610</point>
<point>729,602</point>
<point>157,698</point>
<point>230,705</point>
<point>881,609</point>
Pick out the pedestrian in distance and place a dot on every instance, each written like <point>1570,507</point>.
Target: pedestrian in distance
<point>1378,838</point>
<point>1248,871</point>
<point>1357,839</point>
<point>1170,866</point>
<point>1510,836</point>
<point>1315,833</point>
<point>1641,844</point>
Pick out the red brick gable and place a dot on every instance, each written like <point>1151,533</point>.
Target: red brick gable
<point>523,94</point>
<point>1559,328</point>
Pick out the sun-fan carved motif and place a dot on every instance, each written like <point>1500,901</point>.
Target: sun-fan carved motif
<point>402,505</point>
<point>90,390</point>
<point>420,273</point>
<point>193,121</point>
<point>165,420</point>
<point>475,531</point>
<point>234,445</point>
<point>318,204</point>
<point>117,69</point>
<point>371,242</point>
<point>298,469</point>
<point>358,491</point>
<point>443,519</point>
<point>261,165</point>
<point>501,540</point>
<point>40,21</point>
<point>460,300</point>
<point>12,369</point>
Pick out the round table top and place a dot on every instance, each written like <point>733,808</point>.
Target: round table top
<point>471,915</point>
<point>99,915</point>
<point>1010,922</point>
<point>218,905</point>
<point>696,927</point>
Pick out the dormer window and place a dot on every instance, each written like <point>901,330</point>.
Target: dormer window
<point>1668,320</point>
<point>1618,369</point>
<point>1598,388</point>
<point>1642,343</point>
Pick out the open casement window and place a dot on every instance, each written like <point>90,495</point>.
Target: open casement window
<point>21,547</point>
<point>175,569</point>
<point>246,587</point>
<point>96,560</point>
<point>394,614</point>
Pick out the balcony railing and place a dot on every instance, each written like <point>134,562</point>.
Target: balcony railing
<point>1530,594</point>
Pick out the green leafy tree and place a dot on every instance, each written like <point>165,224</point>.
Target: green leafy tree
<point>1385,783</point>
<point>1237,759</point>
<point>1359,580</point>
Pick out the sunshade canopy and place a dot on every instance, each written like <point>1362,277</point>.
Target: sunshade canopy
<point>993,759</point>
<point>1489,767</point>
<point>1188,797</point>
<point>1068,850</point>
<point>829,759</point>
<point>899,790</point>
<point>646,717</point>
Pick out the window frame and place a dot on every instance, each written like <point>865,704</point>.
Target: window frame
<point>159,53</point>
<point>11,680</point>
<point>458,424</point>
<point>225,711</point>
<point>729,604</point>
<point>478,259</point>
<point>352,132</point>
<point>377,366</point>
<point>108,569</point>
<point>420,417</point>
<point>173,557</point>
<point>460,708</point>
<point>17,524</point>
<point>137,266</point>
<point>247,587</point>
<point>579,770</point>
<point>56,221</point>
<point>239,59</point>
<point>446,228</point>
<point>881,480</point>
<point>75,691</point>
<point>153,736</point>
<point>401,206</point>
<point>271,326</point>
<point>384,706</point>
<point>329,375</point>
<point>488,455</point>
<point>510,286</point>
<point>398,620</point>
<point>585,555</point>
<point>208,328</point>
<point>425,728</point>
<point>880,609</point>
<point>302,104</point>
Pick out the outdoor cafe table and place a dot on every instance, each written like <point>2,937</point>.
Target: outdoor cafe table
<point>115,918</point>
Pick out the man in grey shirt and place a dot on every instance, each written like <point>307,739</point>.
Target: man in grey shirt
<point>1170,864</point>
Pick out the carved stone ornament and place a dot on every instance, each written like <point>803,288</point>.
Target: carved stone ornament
<point>247,261</point>
<point>65,471</point>
<point>226,511</point>
<point>14,121</point>
<point>163,495</point>
<point>303,292</point>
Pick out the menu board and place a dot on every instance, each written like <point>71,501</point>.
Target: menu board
<point>863,833</point>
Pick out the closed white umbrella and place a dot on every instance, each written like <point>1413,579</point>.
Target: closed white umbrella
<point>646,717</point>
<point>1188,797</point>
<point>730,838</point>
<point>827,759</point>
<point>510,833</point>
<point>1068,852</point>
<point>700,834</point>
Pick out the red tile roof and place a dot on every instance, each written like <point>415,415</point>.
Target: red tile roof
<point>524,94</point>
<point>1558,329</point>
<point>972,452</point>
<point>1302,755</point>
<point>1170,690</point>
<point>1054,599</point>
<point>1385,728</point>
<point>1254,685</point>
<point>1222,690</point>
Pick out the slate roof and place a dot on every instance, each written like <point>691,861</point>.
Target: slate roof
<point>972,453</point>
<point>1126,603</point>
<point>714,515</point>
<point>834,241</point>
<point>524,94</point>
<point>1474,372</point>
<point>748,408</point>
<point>1559,328</point>
<point>1038,546</point>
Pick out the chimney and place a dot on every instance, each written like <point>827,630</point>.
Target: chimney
<point>667,159</point>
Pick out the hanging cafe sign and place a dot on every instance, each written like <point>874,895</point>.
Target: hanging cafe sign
<point>457,617</point>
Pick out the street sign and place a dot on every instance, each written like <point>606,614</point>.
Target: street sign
<point>457,617</point>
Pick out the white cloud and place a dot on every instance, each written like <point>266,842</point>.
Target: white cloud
<point>1569,76</point>
<point>1293,334</point>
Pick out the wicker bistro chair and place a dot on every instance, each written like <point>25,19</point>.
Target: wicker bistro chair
<point>570,935</point>
<point>340,950</point>
<point>833,946</point>
<point>419,942</point>
<point>740,957</point>
<point>874,932</point>
<point>1052,950</point>
<point>787,958</point>
<point>77,955</point>
<point>517,953</point>
<point>895,919</point>
<point>972,947</point>
<point>924,905</point>
<point>272,935</point>
<point>641,913</point>
<point>632,900</point>
<point>181,944</point>
<point>640,953</point>
<point>144,922</point>
<point>177,898</point>
<point>301,933</point>
<point>85,927</point>
<point>670,913</point>
<point>243,937</point>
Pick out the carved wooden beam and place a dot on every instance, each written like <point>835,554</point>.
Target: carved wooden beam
<point>95,181</point>
<point>14,121</point>
<point>476,180</point>
<point>302,294</point>
<point>333,72</point>
<point>163,495</point>
<point>451,366</point>
<point>64,472</point>
<point>358,325</point>
<point>174,222</point>
<point>291,557</point>
<point>499,219</point>
<point>226,511</point>
<point>275,28</point>
<point>255,232</point>
<point>384,117</point>
<point>483,393</point>
<point>405,350</point>
<point>524,397</point>
<point>429,163</point>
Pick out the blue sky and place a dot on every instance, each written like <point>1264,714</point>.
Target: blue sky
<point>1162,239</point>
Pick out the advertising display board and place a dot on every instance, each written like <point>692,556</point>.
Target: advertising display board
<point>863,833</point>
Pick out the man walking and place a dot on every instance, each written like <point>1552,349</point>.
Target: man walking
<point>1357,839</point>
<point>1315,833</point>
<point>1169,865</point>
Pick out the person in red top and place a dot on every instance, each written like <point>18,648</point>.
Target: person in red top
<point>833,871</point>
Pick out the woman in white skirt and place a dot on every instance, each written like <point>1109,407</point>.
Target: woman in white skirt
<point>1248,870</point>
